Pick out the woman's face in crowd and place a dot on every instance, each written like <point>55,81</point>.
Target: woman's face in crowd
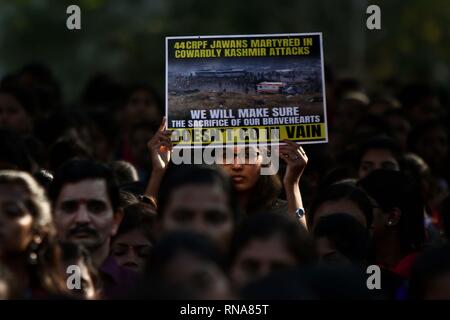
<point>258,258</point>
<point>201,208</point>
<point>141,106</point>
<point>201,277</point>
<point>131,249</point>
<point>13,115</point>
<point>340,206</point>
<point>16,222</point>
<point>243,168</point>
<point>374,159</point>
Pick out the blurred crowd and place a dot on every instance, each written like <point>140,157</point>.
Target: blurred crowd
<point>91,206</point>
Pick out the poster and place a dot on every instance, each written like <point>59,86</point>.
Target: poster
<point>245,89</point>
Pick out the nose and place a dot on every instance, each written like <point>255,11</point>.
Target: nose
<point>82,215</point>
<point>236,165</point>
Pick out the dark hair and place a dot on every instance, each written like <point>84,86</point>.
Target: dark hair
<point>180,176</point>
<point>127,198</point>
<point>14,151</point>
<point>151,90</point>
<point>22,97</point>
<point>420,130</point>
<point>267,225</point>
<point>378,142</point>
<point>66,148</point>
<point>138,216</point>
<point>341,191</point>
<point>392,189</point>
<point>346,235</point>
<point>124,172</point>
<point>76,170</point>
<point>430,265</point>
<point>45,273</point>
<point>44,178</point>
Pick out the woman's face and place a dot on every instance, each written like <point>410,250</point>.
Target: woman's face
<point>131,249</point>
<point>141,106</point>
<point>244,167</point>
<point>13,115</point>
<point>16,222</point>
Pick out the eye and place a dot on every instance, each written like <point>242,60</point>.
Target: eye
<point>69,206</point>
<point>183,215</point>
<point>144,251</point>
<point>119,251</point>
<point>13,210</point>
<point>216,217</point>
<point>96,206</point>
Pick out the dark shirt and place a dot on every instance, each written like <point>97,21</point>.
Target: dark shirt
<point>117,281</point>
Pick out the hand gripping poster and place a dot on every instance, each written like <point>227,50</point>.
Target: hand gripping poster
<point>245,89</point>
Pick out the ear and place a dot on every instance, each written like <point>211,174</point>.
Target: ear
<point>392,217</point>
<point>117,219</point>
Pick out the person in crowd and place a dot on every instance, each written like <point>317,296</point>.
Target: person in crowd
<point>186,265</point>
<point>378,153</point>
<point>267,243</point>
<point>86,211</point>
<point>255,192</point>
<point>28,245</point>
<point>430,275</point>
<point>76,258</point>
<point>398,220</point>
<point>132,244</point>
<point>200,199</point>
<point>124,172</point>
<point>399,126</point>
<point>342,197</point>
<point>16,111</point>
<point>341,240</point>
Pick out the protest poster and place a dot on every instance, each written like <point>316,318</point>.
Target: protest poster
<point>241,89</point>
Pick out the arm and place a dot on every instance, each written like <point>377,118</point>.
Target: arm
<point>160,147</point>
<point>296,160</point>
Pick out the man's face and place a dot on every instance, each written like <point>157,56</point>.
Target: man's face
<point>203,209</point>
<point>258,258</point>
<point>377,159</point>
<point>84,215</point>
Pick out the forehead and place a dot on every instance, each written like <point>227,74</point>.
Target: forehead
<point>85,189</point>
<point>134,237</point>
<point>340,205</point>
<point>378,154</point>
<point>273,248</point>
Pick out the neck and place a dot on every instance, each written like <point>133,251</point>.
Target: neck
<point>243,198</point>
<point>100,254</point>
<point>388,250</point>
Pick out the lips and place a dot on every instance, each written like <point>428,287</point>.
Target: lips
<point>238,179</point>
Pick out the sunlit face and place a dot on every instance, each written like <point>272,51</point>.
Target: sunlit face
<point>13,115</point>
<point>260,257</point>
<point>131,250</point>
<point>201,208</point>
<point>339,206</point>
<point>141,106</point>
<point>16,222</point>
<point>200,276</point>
<point>84,215</point>
<point>243,168</point>
<point>377,159</point>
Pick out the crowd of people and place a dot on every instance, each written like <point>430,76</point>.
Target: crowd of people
<point>89,191</point>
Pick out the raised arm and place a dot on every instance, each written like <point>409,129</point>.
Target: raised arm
<point>160,148</point>
<point>296,160</point>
